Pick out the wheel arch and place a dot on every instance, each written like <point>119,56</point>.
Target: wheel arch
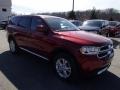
<point>62,50</point>
<point>59,50</point>
<point>10,37</point>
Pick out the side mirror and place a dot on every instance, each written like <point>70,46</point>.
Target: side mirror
<point>104,26</point>
<point>118,25</point>
<point>41,28</point>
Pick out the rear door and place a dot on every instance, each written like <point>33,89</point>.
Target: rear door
<point>23,31</point>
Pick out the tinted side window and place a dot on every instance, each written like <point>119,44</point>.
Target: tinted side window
<point>35,22</point>
<point>25,22</point>
<point>14,20</point>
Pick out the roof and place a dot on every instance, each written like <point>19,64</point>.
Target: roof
<point>96,20</point>
<point>74,20</point>
<point>114,21</point>
<point>48,16</point>
<point>42,16</point>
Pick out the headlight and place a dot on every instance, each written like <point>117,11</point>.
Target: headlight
<point>89,50</point>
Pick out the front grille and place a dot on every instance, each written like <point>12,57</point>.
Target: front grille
<point>102,54</point>
<point>106,51</point>
<point>104,48</point>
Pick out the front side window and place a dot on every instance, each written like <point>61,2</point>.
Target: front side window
<point>60,24</point>
<point>35,22</point>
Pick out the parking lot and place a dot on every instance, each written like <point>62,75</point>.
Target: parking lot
<point>27,72</point>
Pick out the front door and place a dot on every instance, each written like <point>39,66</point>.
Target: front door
<point>40,42</point>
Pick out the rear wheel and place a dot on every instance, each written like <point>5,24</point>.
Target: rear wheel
<point>13,46</point>
<point>65,67</point>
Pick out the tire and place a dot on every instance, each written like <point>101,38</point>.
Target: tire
<point>112,35</point>
<point>107,34</point>
<point>65,67</point>
<point>13,46</point>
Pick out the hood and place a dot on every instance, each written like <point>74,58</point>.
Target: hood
<point>89,28</point>
<point>82,37</point>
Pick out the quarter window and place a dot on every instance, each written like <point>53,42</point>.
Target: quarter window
<point>14,20</point>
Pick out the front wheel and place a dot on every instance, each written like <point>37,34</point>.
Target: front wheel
<point>65,67</point>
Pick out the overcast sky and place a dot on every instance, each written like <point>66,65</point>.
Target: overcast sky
<point>33,6</point>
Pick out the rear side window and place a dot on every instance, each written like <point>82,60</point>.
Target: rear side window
<point>25,22</point>
<point>35,22</point>
<point>14,20</point>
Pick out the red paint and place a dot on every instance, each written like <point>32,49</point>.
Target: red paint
<point>70,41</point>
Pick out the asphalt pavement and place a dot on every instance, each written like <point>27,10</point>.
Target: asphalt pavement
<point>27,72</point>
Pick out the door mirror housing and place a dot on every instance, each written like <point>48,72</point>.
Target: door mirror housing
<point>103,26</point>
<point>41,28</point>
<point>118,25</point>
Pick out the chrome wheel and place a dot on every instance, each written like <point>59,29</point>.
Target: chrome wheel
<point>63,68</point>
<point>12,46</point>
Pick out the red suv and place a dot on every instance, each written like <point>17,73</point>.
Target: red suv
<point>56,39</point>
<point>114,28</point>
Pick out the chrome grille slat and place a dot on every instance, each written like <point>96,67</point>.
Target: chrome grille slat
<point>105,51</point>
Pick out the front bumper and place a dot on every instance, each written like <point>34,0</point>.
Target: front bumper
<point>90,64</point>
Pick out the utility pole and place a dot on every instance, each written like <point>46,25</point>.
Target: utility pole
<point>71,14</point>
<point>73,6</point>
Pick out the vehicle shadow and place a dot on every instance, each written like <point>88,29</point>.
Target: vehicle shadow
<point>28,72</point>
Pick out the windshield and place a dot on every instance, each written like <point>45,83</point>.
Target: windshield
<point>112,23</point>
<point>93,23</point>
<point>60,24</point>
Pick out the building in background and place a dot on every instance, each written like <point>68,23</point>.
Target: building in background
<point>5,10</point>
